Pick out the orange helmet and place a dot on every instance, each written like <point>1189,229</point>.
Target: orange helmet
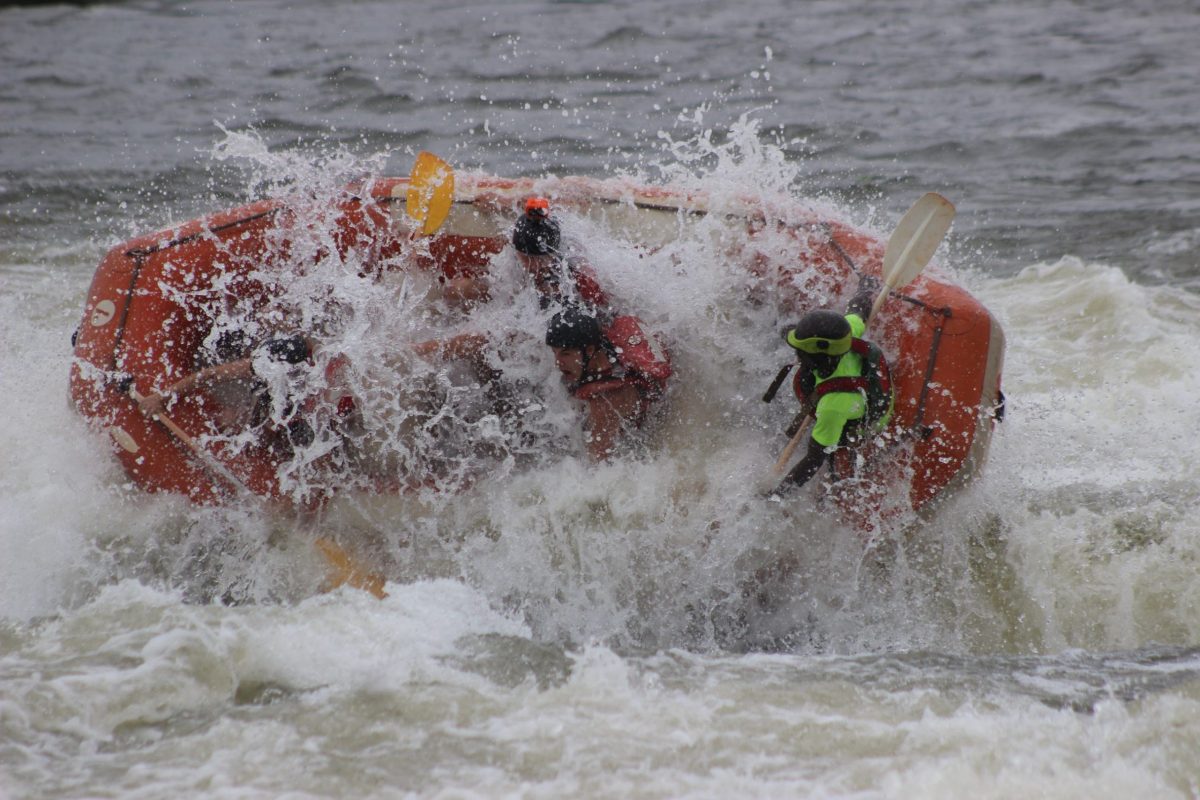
<point>535,233</point>
<point>537,207</point>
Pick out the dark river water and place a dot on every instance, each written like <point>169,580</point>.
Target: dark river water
<point>1042,638</point>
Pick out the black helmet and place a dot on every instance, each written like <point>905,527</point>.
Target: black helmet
<point>573,329</point>
<point>821,332</point>
<point>535,233</point>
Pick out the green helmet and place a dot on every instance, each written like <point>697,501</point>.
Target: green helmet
<point>821,332</point>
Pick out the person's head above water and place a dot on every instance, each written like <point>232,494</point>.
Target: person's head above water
<point>820,339</point>
<point>573,329</point>
<point>578,343</point>
<point>535,233</point>
<point>820,333</point>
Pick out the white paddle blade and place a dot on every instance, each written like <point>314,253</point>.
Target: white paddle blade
<point>915,239</point>
<point>911,245</point>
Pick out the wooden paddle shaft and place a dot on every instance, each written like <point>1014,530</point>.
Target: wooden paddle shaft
<point>344,568</point>
<point>786,455</point>
<point>207,459</point>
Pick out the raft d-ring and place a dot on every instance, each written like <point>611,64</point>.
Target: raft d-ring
<point>103,313</point>
<point>122,437</point>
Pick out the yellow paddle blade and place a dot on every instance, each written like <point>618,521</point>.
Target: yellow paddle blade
<point>344,570</point>
<point>430,192</point>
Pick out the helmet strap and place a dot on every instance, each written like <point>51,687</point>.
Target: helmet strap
<point>587,360</point>
<point>588,375</point>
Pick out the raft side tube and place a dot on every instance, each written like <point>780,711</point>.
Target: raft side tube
<point>947,383</point>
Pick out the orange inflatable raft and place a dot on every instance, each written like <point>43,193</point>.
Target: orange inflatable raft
<point>151,306</point>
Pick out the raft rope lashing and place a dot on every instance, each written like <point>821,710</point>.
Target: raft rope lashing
<point>837,248</point>
<point>943,314</point>
<point>139,261</point>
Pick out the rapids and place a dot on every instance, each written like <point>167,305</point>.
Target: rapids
<point>556,629</point>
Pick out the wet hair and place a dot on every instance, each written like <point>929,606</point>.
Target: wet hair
<point>230,346</point>
<point>288,349</point>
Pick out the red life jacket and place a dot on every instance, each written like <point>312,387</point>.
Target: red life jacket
<point>637,349</point>
<point>589,287</point>
<point>642,362</point>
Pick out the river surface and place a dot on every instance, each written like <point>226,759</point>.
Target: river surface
<point>577,631</point>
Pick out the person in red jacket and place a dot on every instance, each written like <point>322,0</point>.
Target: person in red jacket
<point>245,403</point>
<point>609,361</point>
<point>558,279</point>
<point>618,371</point>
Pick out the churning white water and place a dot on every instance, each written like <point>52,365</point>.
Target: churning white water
<point>555,628</point>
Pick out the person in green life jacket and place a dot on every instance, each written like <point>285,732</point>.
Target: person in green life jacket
<point>842,381</point>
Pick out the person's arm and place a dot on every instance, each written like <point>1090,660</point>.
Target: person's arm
<point>607,414</point>
<point>466,291</point>
<point>807,466</point>
<point>864,298</point>
<point>466,346</point>
<point>588,285</point>
<point>241,369</point>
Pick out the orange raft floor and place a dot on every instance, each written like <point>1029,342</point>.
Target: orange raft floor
<point>142,326</point>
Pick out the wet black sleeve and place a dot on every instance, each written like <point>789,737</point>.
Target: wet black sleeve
<point>808,466</point>
<point>805,377</point>
<point>290,350</point>
<point>864,298</point>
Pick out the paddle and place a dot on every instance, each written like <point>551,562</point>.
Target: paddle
<point>908,250</point>
<point>911,245</point>
<point>430,192</point>
<point>344,568</point>
<point>348,571</point>
<point>792,444</point>
<point>206,458</point>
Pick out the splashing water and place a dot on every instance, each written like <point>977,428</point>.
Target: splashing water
<point>672,546</point>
